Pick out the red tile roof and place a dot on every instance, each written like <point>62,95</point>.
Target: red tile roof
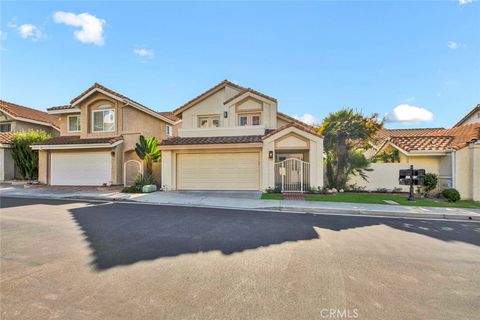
<point>18,111</point>
<point>169,115</point>
<point>435,138</point>
<point>468,115</point>
<point>211,140</point>
<point>65,107</point>
<point>76,140</point>
<point>6,137</point>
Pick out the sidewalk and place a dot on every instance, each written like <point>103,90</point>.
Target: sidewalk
<point>247,201</point>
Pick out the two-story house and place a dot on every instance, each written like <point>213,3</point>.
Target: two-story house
<point>98,133</point>
<point>14,118</point>
<point>234,138</point>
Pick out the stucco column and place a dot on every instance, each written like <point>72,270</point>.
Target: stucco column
<point>167,170</point>
<point>476,171</point>
<point>268,166</point>
<point>43,166</point>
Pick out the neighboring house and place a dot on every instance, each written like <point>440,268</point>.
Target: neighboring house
<point>453,154</point>
<point>233,138</point>
<point>13,118</point>
<point>472,117</point>
<point>99,130</point>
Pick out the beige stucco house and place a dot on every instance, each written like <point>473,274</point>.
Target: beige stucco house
<point>15,118</point>
<point>234,138</point>
<point>98,133</point>
<point>453,154</point>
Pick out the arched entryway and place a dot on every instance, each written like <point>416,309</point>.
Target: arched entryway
<point>131,169</point>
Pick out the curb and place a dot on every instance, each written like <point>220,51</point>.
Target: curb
<point>306,210</point>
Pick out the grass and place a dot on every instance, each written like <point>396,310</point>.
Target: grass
<point>377,198</point>
<point>272,196</point>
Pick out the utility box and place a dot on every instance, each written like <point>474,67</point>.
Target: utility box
<point>149,188</point>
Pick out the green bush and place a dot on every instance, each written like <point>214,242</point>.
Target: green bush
<point>143,180</point>
<point>138,183</point>
<point>452,195</point>
<point>273,190</point>
<point>25,158</point>
<point>430,182</point>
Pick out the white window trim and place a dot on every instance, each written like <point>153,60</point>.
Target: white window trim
<point>209,119</point>
<point>68,123</point>
<point>103,110</point>
<point>169,130</point>
<point>10,123</point>
<point>249,119</point>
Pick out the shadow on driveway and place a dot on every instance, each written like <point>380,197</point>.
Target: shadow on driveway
<point>122,234</point>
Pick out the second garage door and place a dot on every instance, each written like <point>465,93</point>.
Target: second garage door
<point>218,171</point>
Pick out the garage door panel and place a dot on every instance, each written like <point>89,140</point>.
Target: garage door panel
<point>218,171</point>
<point>80,169</point>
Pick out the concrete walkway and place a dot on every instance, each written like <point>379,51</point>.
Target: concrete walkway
<point>247,201</point>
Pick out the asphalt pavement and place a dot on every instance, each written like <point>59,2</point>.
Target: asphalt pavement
<point>64,259</point>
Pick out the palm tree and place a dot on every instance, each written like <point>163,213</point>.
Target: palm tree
<point>346,134</point>
<point>147,150</point>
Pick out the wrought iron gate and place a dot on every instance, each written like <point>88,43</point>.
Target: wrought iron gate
<point>292,175</point>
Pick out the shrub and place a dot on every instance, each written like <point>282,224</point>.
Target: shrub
<point>382,190</point>
<point>451,194</point>
<point>138,183</point>
<point>143,180</point>
<point>25,158</point>
<point>273,190</point>
<point>430,182</point>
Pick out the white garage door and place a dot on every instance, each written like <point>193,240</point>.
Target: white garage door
<point>81,169</point>
<point>218,171</point>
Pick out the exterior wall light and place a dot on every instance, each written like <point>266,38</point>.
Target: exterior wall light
<point>225,114</point>
<point>270,154</point>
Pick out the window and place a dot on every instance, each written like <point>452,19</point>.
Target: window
<point>103,121</point>
<point>5,127</point>
<point>243,120</point>
<point>169,131</point>
<point>249,120</point>
<point>209,122</point>
<point>73,123</point>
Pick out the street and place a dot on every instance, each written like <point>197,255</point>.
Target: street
<point>105,260</point>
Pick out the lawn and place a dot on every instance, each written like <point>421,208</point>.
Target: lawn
<point>378,198</point>
<point>272,196</point>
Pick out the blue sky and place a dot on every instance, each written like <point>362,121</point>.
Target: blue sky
<point>314,57</point>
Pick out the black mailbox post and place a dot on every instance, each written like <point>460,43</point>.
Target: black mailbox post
<point>411,177</point>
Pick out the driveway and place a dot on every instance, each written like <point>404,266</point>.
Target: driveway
<point>80,260</point>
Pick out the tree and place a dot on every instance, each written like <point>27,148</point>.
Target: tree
<point>346,135</point>
<point>24,157</point>
<point>147,150</point>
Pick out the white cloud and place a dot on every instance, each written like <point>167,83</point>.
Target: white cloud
<point>406,113</point>
<point>25,31</point>
<point>462,2</point>
<point>143,52</point>
<point>308,118</point>
<point>91,27</point>
<point>455,45</point>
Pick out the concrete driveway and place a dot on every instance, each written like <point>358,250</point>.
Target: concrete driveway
<point>79,260</point>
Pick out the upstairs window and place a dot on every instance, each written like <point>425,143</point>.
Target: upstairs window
<point>73,123</point>
<point>103,120</point>
<point>249,120</point>
<point>5,127</point>
<point>169,130</point>
<point>209,122</point>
